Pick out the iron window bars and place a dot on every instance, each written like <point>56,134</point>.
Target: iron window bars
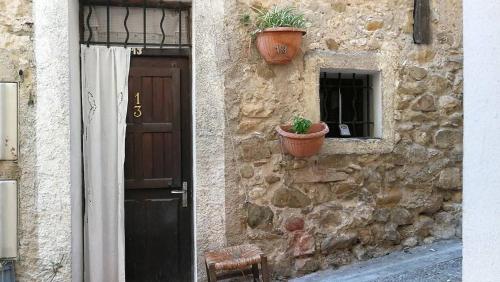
<point>346,99</point>
<point>177,7</point>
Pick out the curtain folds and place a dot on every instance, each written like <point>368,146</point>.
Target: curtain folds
<point>104,108</point>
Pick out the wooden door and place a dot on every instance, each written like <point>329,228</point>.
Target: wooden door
<point>158,240</point>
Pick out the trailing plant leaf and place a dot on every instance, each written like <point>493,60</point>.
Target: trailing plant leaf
<point>279,17</point>
<point>301,125</point>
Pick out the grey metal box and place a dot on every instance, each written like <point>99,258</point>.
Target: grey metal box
<point>7,271</point>
<point>8,121</point>
<point>8,219</point>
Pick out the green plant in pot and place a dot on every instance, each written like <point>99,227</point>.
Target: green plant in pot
<point>302,138</point>
<point>278,33</point>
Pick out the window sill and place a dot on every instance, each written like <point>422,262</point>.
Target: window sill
<point>336,146</point>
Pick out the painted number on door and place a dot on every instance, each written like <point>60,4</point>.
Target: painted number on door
<point>138,106</point>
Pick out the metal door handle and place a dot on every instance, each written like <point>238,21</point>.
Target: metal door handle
<point>184,193</point>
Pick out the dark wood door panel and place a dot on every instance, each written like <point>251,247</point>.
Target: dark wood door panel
<point>152,237</point>
<point>154,129</point>
<point>158,96</point>
<point>158,229</point>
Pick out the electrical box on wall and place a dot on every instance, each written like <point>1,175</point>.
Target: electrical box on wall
<point>8,219</point>
<point>8,121</point>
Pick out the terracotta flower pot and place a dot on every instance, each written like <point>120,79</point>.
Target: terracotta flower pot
<point>303,145</point>
<point>279,45</point>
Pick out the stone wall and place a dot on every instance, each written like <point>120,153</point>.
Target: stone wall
<point>365,200</point>
<point>16,53</point>
<point>42,169</point>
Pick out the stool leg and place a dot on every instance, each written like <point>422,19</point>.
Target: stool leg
<point>212,276</point>
<point>255,272</point>
<point>265,269</point>
<point>208,272</point>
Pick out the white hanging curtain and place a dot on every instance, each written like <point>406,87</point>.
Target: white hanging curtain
<point>104,105</point>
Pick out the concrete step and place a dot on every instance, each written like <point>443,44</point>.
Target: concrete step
<point>441,261</point>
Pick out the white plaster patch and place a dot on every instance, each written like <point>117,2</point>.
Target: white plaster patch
<point>208,97</point>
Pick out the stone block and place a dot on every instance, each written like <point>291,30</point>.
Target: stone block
<point>425,103</point>
<point>332,44</point>
<point>306,265</point>
<point>339,6</point>
<point>423,225</point>
<point>257,193</point>
<point>318,175</point>
<point>365,236</point>
<point>391,234</point>
<point>409,242</point>
<point>259,217</point>
<point>444,227</point>
<point>254,148</point>
<point>447,138</point>
<point>294,223</point>
<point>417,73</point>
<point>423,55</point>
<point>412,88</point>
<point>449,103</point>
<point>401,216</point>
<point>374,25</point>
<point>389,197</point>
<point>303,244</point>
<point>438,84</point>
<point>247,171</point>
<point>423,200</point>
<point>382,215</point>
<point>288,197</point>
<point>413,153</point>
<point>272,178</point>
<point>321,193</point>
<point>339,258</point>
<point>342,240</point>
<point>450,178</point>
<point>257,110</point>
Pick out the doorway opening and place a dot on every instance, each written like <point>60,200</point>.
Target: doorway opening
<point>158,147</point>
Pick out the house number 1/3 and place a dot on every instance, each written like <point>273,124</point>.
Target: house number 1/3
<point>138,106</point>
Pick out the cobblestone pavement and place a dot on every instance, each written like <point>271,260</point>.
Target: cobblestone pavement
<point>438,262</point>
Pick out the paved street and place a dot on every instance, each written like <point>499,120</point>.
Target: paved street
<point>441,261</point>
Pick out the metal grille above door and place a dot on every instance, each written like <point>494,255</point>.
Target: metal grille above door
<point>133,23</point>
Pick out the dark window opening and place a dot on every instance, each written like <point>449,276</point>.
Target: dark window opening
<point>345,99</point>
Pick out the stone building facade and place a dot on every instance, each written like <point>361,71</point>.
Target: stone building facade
<point>357,199</point>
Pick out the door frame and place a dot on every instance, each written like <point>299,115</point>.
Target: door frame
<point>203,30</point>
<point>187,152</point>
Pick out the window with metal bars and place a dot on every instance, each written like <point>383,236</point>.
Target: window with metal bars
<point>346,101</point>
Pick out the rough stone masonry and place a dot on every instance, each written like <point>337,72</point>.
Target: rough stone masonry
<point>307,214</point>
<point>16,53</point>
<point>42,168</point>
<point>335,208</point>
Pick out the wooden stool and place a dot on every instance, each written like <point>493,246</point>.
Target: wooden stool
<point>236,261</point>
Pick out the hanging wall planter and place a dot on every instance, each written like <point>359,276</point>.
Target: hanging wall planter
<point>302,138</point>
<point>279,45</point>
<point>278,33</point>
